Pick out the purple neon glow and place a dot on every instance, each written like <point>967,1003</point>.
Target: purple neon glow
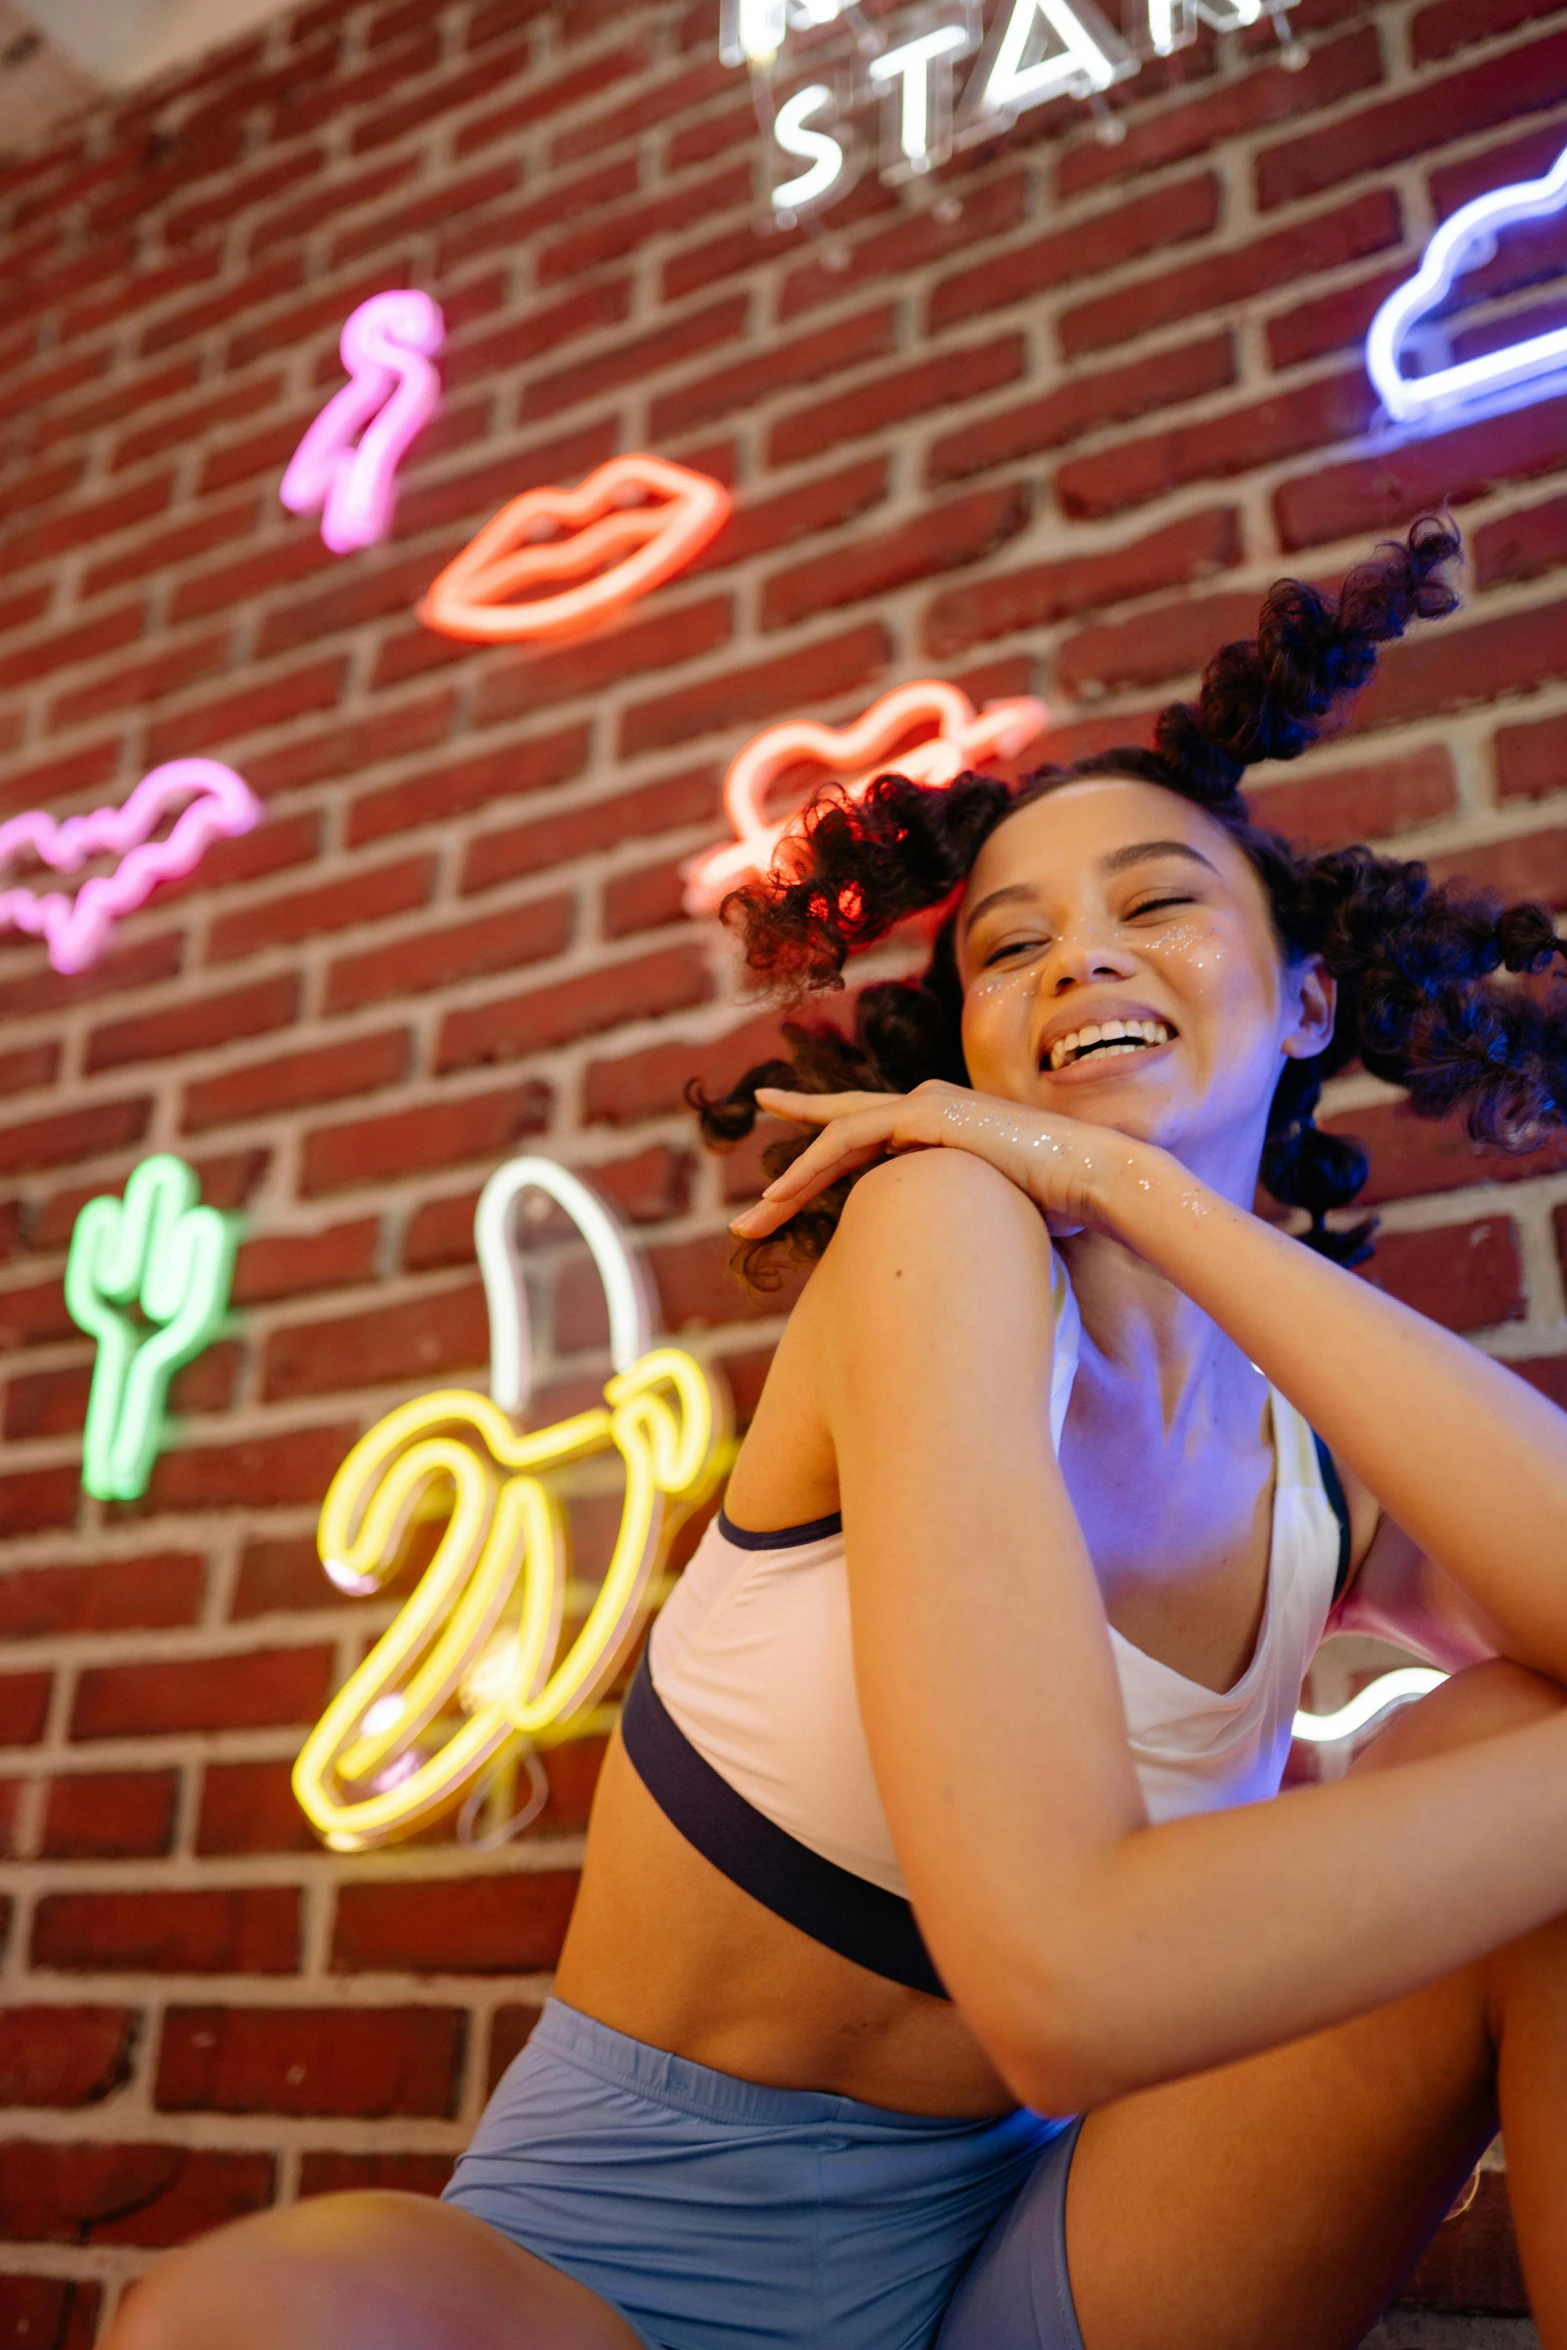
<point>1538,360</point>
<point>77,928</point>
<point>387,344</point>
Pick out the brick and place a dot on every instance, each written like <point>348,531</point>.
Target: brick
<point>150,2195</point>
<point>1531,761</point>
<point>1359,803</point>
<point>911,240</point>
<point>110,1815</point>
<point>1520,82</point>
<point>281,1471</point>
<point>47,1403</point>
<point>467,1925</point>
<point>260,1689</point>
<point>545,1017</point>
<point>251,1806</point>
<point>1522,545</point>
<point>419,215</point>
<point>440,1232</point>
<point>141,683</point>
<point>849,342</point>
<point>511,2028</point>
<point>306,217</point>
<point>1412,1157</point>
<point>164,548</point>
<point>104,265</point>
<point>24,1701</point>
<point>515,225</point>
<point>28,1067</point>
<point>197,1026</point>
<point>1368,493</point>
<point>1248,102</point>
<point>296,321</point>
<point>1103,241</point>
<point>429,959</point>
<point>63,2056</point>
<point>698,1290</point>
<point>323,1073</point>
<point>647,1188</point>
<point>662,641</point>
<point>420,1338</point>
<point>943,538</point>
<point>206,1930</point>
<point>494,858</point>
<point>242,192</point>
<point>613,234</point>
<point>1464,1276</point>
<point>1332,322</point>
<point>585,310</point>
<point>1367,225</point>
<point>277,1265</point>
<point>266,282</point>
<point>635,358</point>
<point>152,1593</point>
<point>68,646</point>
<point>886,400</point>
<point>438,796</point>
<point>407,60</point>
<point>34,1315</point>
<point>282,564</point>
<point>399,2174</point>
<point>649,898</point>
<point>27,787</point>
<point>652,1082</point>
<point>249,710</point>
<point>81,526</point>
<point>396,731</point>
<point>415,1141</point>
<point>1043,593</point>
<point>1450,668</point>
<point>1215,447</point>
<point>368,2063</point>
<point>1441,30</point>
<point>51,2309</point>
<point>72,1134</point>
<point>1084,403</point>
<point>809,676</point>
<point>333,905</point>
<point>1531,866</point>
<point>1528,156</point>
<point>1166,641</point>
<point>658,103</point>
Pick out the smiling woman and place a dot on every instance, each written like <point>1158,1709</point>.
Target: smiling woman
<point>944,1974</point>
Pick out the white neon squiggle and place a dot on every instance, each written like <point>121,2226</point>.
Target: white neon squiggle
<point>1392,1689</point>
<point>1461,386</point>
<point>500,1262</point>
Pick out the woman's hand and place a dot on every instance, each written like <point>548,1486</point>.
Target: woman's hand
<point>1072,1171</point>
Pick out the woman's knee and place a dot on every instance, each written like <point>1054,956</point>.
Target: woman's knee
<point>370,2271</point>
<point>1481,1702</point>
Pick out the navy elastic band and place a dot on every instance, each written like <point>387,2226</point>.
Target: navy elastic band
<point>861,1921</point>
<point>1335,1493</point>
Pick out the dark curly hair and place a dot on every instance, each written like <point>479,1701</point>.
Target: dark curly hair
<point>1416,1003</point>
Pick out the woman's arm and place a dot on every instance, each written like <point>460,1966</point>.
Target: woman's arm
<point>1092,1953</point>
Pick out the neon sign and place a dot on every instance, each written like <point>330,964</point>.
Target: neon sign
<point>963,738</point>
<point>1389,1689</point>
<point>1530,367</point>
<point>76,930</point>
<point>158,1251</point>
<point>1038,50</point>
<point>387,345</point>
<point>386,1756</point>
<point>631,525</point>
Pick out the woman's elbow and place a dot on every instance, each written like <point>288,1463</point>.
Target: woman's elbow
<point>1050,2036</point>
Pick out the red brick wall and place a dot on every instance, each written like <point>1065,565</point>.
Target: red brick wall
<point>1058,443</point>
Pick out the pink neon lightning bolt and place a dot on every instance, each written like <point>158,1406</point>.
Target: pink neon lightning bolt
<point>387,346</point>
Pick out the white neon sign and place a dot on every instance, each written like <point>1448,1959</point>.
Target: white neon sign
<point>1465,385</point>
<point>1038,50</point>
<point>1391,1689</point>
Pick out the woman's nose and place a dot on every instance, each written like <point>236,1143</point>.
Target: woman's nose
<point>1081,955</point>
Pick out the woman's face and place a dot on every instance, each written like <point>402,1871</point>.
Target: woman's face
<point>1120,964</point>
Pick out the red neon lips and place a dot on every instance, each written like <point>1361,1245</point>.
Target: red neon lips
<point>631,525</point>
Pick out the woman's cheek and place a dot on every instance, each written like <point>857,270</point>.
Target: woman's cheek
<point>996,1011</point>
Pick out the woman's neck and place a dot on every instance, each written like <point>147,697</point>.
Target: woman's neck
<point>1150,1338</point>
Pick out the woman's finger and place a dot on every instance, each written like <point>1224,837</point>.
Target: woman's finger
<point>817,1109</point>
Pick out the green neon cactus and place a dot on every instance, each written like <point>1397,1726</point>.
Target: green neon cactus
<point>156,1249</point>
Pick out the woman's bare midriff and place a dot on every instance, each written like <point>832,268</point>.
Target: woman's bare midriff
<point>666,1949</point>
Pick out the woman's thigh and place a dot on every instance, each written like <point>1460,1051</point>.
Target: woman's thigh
<point>1281,2200</point>
<point>362,2272</point>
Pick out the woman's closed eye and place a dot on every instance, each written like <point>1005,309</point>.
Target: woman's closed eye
<point>1160,904</point>
<point>1011,947</point>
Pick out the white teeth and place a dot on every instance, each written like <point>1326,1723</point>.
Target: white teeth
<point>1111,1036</point>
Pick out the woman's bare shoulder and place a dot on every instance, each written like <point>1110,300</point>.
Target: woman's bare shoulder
<point>944,1203</point>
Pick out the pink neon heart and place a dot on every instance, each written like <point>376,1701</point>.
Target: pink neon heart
<point>77,928</point>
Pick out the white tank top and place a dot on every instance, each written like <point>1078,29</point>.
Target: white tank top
<point>753,1658</point>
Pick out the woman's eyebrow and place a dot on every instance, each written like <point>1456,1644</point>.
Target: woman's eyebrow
<point>1119,859</point>
<point>1014,891</point>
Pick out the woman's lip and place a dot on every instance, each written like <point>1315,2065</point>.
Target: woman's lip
<point>1096,1064</point>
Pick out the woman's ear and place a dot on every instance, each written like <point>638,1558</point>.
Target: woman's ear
<point>1313,993</point>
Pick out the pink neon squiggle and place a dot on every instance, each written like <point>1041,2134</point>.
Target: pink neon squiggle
<point>393,391</point>
<point>77,928</point>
